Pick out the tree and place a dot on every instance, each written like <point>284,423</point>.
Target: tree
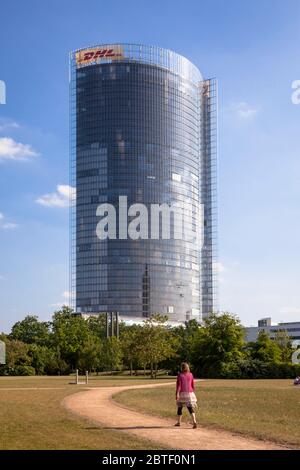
<point>17,358</point>
<point>219,340</point>
<point>97,326</point>
<point>47,361</point>
<point>56,365</point>
<point>70,333</point>
<point>111,355</point>
<point>31,330</point>
<point>184,340</point>
<point>264,349</point>
<point>89,357</point>
<point>283,341</point>
<point>39,357</point>
<point>17,354</point>
<point>155,343</point>
<point>130,345</point>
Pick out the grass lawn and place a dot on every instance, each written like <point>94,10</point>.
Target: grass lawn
<point>265,409</point>
<point>31,416</point>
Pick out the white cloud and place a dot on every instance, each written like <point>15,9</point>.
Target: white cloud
<point>57,305</point>
<point>218,267</point>
<point>6,124</point>
<point>218,270</point>
<point>60,198</point>
<point>66,296</point>
<point>12,150</point>
<point>6,225</point>
<point>9,226</point>
<point>245,111</point>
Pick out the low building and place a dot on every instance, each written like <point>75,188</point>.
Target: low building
<point>265,324</point>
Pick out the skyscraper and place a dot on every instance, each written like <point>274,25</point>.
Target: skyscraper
<point>143,125</point>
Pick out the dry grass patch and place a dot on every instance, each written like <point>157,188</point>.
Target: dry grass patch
<point>34,419</point>
<point>264,409</point>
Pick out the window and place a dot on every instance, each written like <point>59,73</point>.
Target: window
<point>90,172</point>
<point>176,177</point>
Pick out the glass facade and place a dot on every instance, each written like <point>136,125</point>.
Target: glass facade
<point>143,126</point>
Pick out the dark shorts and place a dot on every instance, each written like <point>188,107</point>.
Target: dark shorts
<point>179,410</point>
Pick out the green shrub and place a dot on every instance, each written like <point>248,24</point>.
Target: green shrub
<point>255,369</point>
<point>23,370</point>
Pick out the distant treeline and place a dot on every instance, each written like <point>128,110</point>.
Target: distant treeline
<point>216,349</point>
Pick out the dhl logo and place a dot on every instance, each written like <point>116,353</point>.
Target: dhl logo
<point>92,55</point>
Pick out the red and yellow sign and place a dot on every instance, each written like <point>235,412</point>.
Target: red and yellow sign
<point>97,54</point>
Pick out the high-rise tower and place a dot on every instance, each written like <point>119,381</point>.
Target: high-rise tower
<point>143,128</point>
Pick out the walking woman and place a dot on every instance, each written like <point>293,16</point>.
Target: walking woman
<point>185,394</point>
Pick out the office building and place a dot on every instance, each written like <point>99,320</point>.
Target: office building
<point>143,124</point>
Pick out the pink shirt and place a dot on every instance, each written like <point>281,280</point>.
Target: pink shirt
<point>185,382</point>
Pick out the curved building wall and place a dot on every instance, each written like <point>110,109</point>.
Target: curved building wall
<point>137,132</point>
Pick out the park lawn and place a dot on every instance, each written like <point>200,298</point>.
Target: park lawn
<point>264,409</point>
<point>32,417</point>
<point>67,381</point>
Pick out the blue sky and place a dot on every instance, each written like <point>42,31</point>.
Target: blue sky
<point>252,47</point>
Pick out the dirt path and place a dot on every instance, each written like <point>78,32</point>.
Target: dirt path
<point>98,406</point>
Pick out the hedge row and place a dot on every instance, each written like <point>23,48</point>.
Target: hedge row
<point>254,369</point>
